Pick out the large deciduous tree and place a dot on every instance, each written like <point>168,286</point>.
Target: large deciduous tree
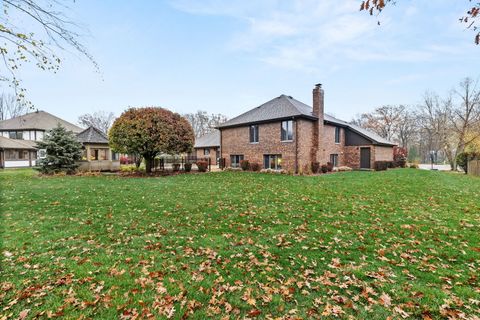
<point>63,150</point>
<point>101,120</point>
<point>33,32</point>
<point>470,18</point>
<point>149,132</point>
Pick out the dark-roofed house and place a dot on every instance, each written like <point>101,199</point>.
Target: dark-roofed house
<point>285,133</point>
<point>97,155</point>
<point>208,146</point>
<point>19,136</point>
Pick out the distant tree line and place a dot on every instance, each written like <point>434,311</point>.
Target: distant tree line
<point>11,107</point>
<point>443,126</point>
<point>203,123</point>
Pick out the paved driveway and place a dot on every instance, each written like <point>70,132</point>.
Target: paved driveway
<point>439,167</point>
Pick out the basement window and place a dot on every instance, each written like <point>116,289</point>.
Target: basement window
<point>272,161</point>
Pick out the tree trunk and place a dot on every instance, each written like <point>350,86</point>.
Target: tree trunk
<point>148,163</point>
<point>138,161</point>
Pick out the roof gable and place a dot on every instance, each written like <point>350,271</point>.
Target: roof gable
<point>40,120</point>
<point>92,135</point>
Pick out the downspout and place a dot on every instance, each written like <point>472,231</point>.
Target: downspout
<point>296,145</point>
<point>222,162</point>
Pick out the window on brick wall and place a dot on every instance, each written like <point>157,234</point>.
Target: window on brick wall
<point>272,161</point>
<point>235,160</point>
<point>334,159</point>
<point>337,134</point>
<point>254,133</point>
<point>287,130</point>
<point>206,152</point>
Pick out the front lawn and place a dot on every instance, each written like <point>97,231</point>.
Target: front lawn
<point>402,243</point>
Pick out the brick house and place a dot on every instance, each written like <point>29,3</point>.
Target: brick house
<point>285,133</point>
<point>208,146</point>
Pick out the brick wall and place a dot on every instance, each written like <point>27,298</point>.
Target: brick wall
<point>383,153</point>
<point>213,154</point>
<point>306,142</point>
<point>328,145</point>
<point>236,141</point>
<point>352,157</point>
<point>377,153</point>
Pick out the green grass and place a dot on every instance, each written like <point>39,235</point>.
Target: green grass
<point>362,244</point>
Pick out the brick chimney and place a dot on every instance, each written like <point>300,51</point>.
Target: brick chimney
<point>318,97</point>
<point>318,111</point>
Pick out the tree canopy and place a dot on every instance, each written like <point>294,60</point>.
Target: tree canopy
<point>149,132</point>
<point>470,18</point>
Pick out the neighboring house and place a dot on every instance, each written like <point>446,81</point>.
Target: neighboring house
<point>208,146</point>
<point>285,133</point>
<point>18,138</point>
<point>32,126</point>
<point>97,155</point>
<point>17,153</point>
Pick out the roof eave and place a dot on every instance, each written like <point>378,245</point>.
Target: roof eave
<point>244,124</point>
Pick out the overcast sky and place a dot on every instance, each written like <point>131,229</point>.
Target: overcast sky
<point>230,56</point>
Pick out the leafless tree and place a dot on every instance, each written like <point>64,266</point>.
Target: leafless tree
<point>464,119</point>
<point>384,120</point>
<point>204,123</point>
<point>101,120</point>
<point>407,128</point>
<point>433,117</point>
<point>11,107</point>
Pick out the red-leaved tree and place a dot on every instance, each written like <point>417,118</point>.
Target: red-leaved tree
<point>149,132</point>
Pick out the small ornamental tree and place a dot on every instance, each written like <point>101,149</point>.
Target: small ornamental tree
<point>62,149</point>
<point>149,132</point>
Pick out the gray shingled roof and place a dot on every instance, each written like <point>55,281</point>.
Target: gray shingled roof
<point>277,108</point>
<point>361,131</point>
<point>284,107</point>
<point>208,140</point>
<point>92,135</point>
<point>37,120</point>
<point>7,143</point>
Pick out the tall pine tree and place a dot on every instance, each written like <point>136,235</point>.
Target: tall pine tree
<point>63,150</point>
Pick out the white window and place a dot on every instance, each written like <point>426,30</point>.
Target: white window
<point>42,153</point>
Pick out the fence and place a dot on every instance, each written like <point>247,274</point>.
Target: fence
<point>177,163</point>
<point>474,167</point>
